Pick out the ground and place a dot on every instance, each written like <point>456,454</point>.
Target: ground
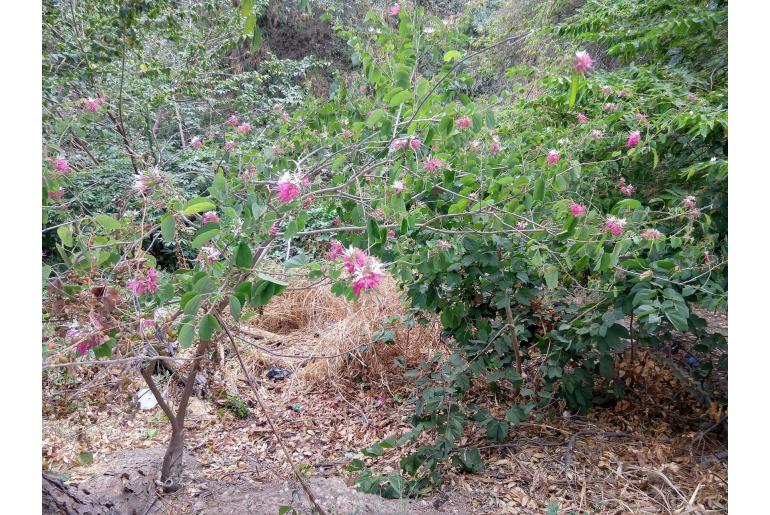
<point>657,451</point>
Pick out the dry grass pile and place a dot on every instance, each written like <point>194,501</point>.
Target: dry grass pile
<point>323,336</point>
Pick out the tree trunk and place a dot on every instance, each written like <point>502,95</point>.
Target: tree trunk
<point>59,498</point>
<point>171,471</point>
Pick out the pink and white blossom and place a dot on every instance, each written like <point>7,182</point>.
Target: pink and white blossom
<point>229,145</point>
<point>395,9</point>
<point>354,259</point>
<point>61,165</point>
<point>432,164</point>
<point>398,144</point>
<point>582,61</point>
<point>368,275</point>
<point>606,90</point>
<point>553,157</point>
<point>243,128</point>
<point>641,117</point>
<point>495,146</point>
<point>596,134</point>
<point>289,186</point>
<point>398,186</point>
<point>582,118</point>
<point>196,143</point>
<point>690,202</point>
<point>210,217</point>
<point>615,225</point>
<point>336,249</point>
<point>415,143</point>
<point>652,234</point>
<point>210,254</point>
<point>233,120</point>
<point>577,209</point>
<point>56,195</point>
<point>610,106</point>
<point>463,123</point>
<point>633,139</point>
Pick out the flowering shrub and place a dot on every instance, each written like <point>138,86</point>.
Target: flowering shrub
<point>514,224</point>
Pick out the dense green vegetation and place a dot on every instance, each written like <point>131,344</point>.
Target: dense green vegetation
<point>551,187</point>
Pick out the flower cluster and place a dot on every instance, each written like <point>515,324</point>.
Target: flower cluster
<point>61,165</point>
<point>364,270</point>
<point>196,143</point>
<point>432,164</point>
<point>147,284</point>
<point>93,104</point>
<point>633,139</point>
<point>615,225</point>
<point>289,186</point>
<point>145,181</point>
<point>553,157</point>
<point>210,254</point>
<point>210,217</point>
<point>577,209</point>
<point>88,337</point>
<point>582,62</point>
<point>626,189</point>
<point>463,123</point>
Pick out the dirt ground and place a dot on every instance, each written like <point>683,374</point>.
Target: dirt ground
<point>656,451</point>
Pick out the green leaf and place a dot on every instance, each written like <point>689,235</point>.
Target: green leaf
<point>246,7</point>
<point>400,98</point>
<point>65,235</point>
<point>104,350</point>
<point>271,279</point>
<point>539,191</point>
<point>574,89</point>
<point>256,38</point>
<point>202,238</point>
<point>452,55</point>
<point>208,327</point>
<point>197,205</point>
<point>186,334</point>
<point>375,118</point>
<point>168,227</point>
<point>243,256</point>
<point>251,22</point>
<point>205,285</point>
<point>86,458</point>
<point>107,222</point>
<point>627,203</point>
<point>551,276</point>
<point>191,302</point>
<point>235,307</point>
<point>497,429</point>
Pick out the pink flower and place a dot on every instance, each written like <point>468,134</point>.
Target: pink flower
<point>691,97</point>
<point>577,209</point>
<point>398,186</point>
<point>395,9</point>
<point>582,118</point>
<point>229,145</point>
<point>398,144</point>
<point>463,123</point>
<point>444,245</point>
<point>145,181</point>
<point>275,229</point>
<point>137,286</point>
<point>368,275</point>
<point>582,61</point>
<point>210,254</point>
<point>336,249</point>
<point>347,133</point>
<point>633,139</point>
<point>520,227</point>
<point>495,147</point>
<point>152,280</point>
<point>391,233</point>
<point>243,128</point>
<point>196,143</point>
<point>624,93</point>
<point>233,120</point>
<point>61,165</point>
<point>475,145</point>
<point>606,90</point>
<point>145,324</point>
<point>354,259</point>
<point>93,104</point>
<point>615,225</point>
<point>89,343</point>
<point>553,157</point>
<point>652,234</point>
<point>641,117</point>
<point>285,116</point>
<point>625,189</point>
<point>597,134</point>
<point>432,164</point>
<point>210,217</point>
<point>287,191</point>
<point>690,202</point>
<point>610,106</point>
<point>415,143</point>
<point>56,195</point>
